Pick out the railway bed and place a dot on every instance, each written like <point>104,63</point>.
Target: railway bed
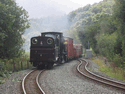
<point>62,79</point>
<point>82,69</point>
<point>30,83</point>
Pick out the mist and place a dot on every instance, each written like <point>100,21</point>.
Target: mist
<point>45,24</point>
<point>45,8</point>
<point>46,16</point>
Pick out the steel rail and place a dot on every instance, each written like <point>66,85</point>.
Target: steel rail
<point>37,82</point>
<point>23,82</point>
<point>117,84</point>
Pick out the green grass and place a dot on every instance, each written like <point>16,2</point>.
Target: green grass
<point>111,70</point>
<point>2,80</point>
<point>13,65</point>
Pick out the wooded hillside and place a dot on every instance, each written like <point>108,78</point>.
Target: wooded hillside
<point>103,25</point>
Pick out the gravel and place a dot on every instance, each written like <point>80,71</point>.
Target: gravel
<point>65,79</point>
<point>13,84</point>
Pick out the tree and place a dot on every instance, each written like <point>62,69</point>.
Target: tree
<point>119,17</point>
<point>13,22</point>
<point>91,32</point>
<point>106,45</point>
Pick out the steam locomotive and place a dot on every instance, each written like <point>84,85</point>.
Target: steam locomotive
<point>52,47</point>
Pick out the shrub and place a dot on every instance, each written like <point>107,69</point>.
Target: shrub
<point>118,60</point>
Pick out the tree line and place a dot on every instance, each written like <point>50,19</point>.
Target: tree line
<point>103,25</point>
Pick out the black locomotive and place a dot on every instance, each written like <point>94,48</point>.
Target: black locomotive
<point>47,49</point>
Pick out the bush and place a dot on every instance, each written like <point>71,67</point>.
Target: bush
<point>118,60</point>
<point>12,65</point>
<point>106,45</point>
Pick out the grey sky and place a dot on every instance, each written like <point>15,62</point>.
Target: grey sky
<point>43,8</point>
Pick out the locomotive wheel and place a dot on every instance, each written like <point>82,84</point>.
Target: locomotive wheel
<point>63,59</point>
<point>34,64</point>
<point>50,65</point>
<point>41,66</point>
<point>38,67</point>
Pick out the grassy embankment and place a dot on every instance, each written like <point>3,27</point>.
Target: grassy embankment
<point>7,67</point>
<point>110,70</point>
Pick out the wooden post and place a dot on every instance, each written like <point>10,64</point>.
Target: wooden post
<point>18,66</point>
<point>14,65</point>
<point>21,65</point>
<point>27,64</point>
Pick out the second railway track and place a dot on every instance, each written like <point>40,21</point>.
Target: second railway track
<point>82,69</point>
<point>30,83</point>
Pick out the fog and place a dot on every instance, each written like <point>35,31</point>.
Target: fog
<point>47,15</point>
<point>45,24</point>
<point>45,8</point>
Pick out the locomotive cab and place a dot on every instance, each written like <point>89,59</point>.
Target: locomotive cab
<point>47,49</point>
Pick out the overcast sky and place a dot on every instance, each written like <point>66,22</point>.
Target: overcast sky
<point>43,8</point>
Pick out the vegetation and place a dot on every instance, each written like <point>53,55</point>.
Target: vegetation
<point>8,66</point>
<point>111,70</point>
<point>13,22</point>
<point>103,25</point>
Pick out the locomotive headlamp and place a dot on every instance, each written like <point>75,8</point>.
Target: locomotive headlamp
<point>49,41</point>
<point>34,41</point>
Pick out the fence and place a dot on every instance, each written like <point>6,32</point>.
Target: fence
<point>14,65</point>
<point>17,65</point>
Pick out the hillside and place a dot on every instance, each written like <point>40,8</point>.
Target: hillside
<point>51,23</point>
<point>74,22</point>
<point>103,26</point>
<point>88,15</point>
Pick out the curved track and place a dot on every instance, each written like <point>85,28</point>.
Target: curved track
<point>82,69</point>
<point>30,83</point>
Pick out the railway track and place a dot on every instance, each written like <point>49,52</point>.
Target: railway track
<point>30,83</point>
<point>82,69</point>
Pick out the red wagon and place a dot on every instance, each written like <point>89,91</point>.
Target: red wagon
<point>78,51</point>
<point>69,47</point>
